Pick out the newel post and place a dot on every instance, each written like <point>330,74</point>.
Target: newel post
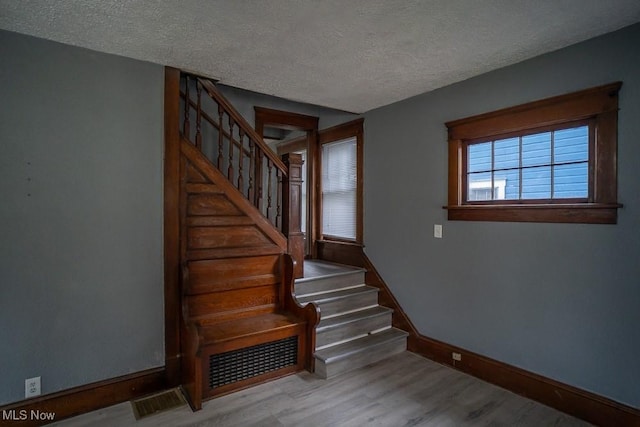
<point>292,211</point>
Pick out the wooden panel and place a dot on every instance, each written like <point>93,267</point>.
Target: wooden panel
<point>217,221</point>
<point>194,176</point>
<point>211,204</point>
<point>192,188</point>
<point>211,303</point>
<point>232,253</point>
<point>235,198</point>
<point>221,273</point>
<point>262,325</point>
<point>225,237</point>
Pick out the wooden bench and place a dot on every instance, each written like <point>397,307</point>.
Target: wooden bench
<point>225,350</point>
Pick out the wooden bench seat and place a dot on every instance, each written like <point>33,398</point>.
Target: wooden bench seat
<point>232,352</point>
<point>229,344</point>
<point>271,324</point>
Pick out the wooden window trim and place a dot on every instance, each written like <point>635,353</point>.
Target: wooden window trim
<point>336,133</point>
<point>599,104</point>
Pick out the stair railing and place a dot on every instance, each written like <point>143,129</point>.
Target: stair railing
<point>231,144</point>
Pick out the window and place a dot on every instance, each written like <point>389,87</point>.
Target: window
<point>339,189</point>
<point>548,161</point>
<point>341,182</point>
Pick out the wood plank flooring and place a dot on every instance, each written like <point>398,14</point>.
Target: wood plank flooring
<point>404,390</point>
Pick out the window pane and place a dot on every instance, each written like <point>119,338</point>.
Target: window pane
<point>511,181</point>
<point>571,181</point>
<point>536,149</point>
<point>571,145</point>
<point>506,153</point>
<point>536,183</point>
<point>479,157</point>
<point>479,186</point>
<point>339,179</point>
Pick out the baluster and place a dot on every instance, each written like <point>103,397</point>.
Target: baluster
<point>240,181</point>
<point>187,99</point>
<point>220,136</point>
<point>230,169</point>
<point>199,116</point>
<point>269,167</point>
<point>278,198</point>
<point>258,177</point>
<point>250,192</point>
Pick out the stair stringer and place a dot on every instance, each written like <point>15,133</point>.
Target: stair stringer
<point>202,164</point>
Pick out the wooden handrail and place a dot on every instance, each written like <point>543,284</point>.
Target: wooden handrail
<point>213,123</point>
<point>237,118</point>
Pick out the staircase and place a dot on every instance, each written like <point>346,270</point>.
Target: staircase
<point>232,217</point>
<point>354,331</point>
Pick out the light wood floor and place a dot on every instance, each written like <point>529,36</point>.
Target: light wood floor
<point>404,390</point>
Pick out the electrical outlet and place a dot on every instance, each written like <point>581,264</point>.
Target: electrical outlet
<point>437,231</point>
<point>456,356</point>
<point>32,387</point>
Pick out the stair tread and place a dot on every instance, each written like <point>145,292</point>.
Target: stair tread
<point>337,321</point>
<point>341,351</point>
<point>328,270</point>
<point>337,294</point>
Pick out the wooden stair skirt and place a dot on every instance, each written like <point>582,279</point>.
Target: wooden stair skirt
<point>354,331</point>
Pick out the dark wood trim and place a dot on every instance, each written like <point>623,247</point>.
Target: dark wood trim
<point>90,397</point>
<point>292,211</point>
<point>341,131</point>
<point>588,406</point>
<point>545,112</point>
<point>588,213</point>
<point>597,107</point>
<point>216,125</point>
<point>294,121</point>
<point>283,120</point>
<point>172,224</point>
<point>231,111</point>
<point>585,405</point>
<point>354,128</point>
<point>293,145</point>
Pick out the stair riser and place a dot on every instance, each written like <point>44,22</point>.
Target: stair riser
<point>353,329</point>
<point>324,284</point>
<point>361,359</point>
<point>350,303</point>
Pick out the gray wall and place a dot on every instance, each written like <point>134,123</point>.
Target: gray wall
<point>81,264</point>
<point>560,300</point>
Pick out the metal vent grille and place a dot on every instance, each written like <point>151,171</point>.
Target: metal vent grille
<point>238,365</point>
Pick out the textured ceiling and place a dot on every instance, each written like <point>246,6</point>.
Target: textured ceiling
<point>353,55</point>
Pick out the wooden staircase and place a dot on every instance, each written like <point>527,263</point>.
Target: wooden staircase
<point>354,330</point>
<point>240,309</point>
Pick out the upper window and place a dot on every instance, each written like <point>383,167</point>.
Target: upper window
<point>341,182</point>
<point>339,189</point>
<point>548,161</point>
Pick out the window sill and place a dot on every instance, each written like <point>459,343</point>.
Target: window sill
<point>580,213</point>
